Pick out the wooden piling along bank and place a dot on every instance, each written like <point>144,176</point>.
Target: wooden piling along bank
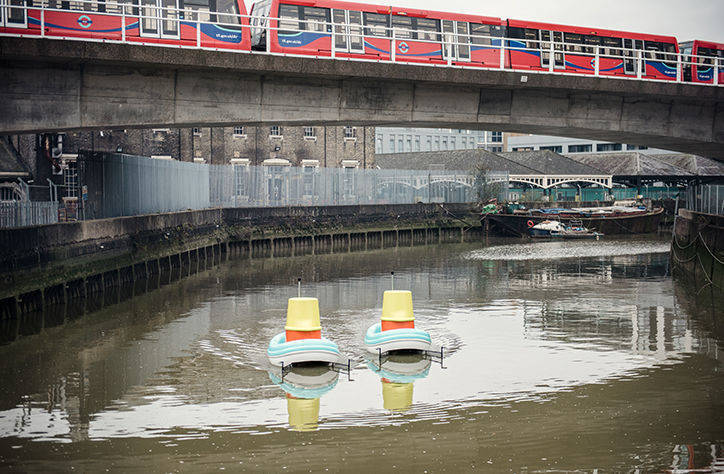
<point>50,265</point>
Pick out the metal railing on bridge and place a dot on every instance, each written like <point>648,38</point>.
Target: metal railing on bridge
<point>159,25</point>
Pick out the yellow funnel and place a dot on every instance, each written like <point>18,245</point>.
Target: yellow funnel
<point>397,306</point>
<point>396,396</point>
<point>303,413</point>
<point>303,315</point>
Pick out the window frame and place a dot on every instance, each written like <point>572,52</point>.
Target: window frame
<point>370,27</point>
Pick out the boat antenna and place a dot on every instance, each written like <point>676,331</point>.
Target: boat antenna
<point>393,280</point>
<point>299,287</point>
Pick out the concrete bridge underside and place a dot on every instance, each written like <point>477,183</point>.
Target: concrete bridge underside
<point>58,85</point>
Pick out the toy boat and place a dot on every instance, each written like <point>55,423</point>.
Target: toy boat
<point>396,339</point>
<point>396,331</point>
<point>302,340</point>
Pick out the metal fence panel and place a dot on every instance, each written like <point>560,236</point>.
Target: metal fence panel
<point>707,198</point>
<point>131,185</point>
<point>27,213</point>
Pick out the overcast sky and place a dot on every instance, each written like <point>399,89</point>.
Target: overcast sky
<point>693,19</point>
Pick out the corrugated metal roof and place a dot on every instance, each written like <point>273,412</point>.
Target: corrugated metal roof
<point>697,165</point>
<point>629,164</point>
<point>549,162</point>
<point>464,160</point>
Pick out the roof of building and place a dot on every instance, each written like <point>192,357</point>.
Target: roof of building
<point>549,163</point>
<point>629,164</point>
<point>694,164</point>
<point>463,160</point>
<point>10,161</point>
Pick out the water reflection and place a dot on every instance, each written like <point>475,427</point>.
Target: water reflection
<point>602,354</point>
<point>398,373</point>
<point>304,385</point>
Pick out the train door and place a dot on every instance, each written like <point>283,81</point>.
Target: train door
<point>456,42</point>
<point>11,16</point>
<point>159,18</point>
<point>559,59</point>
<point>348,31</point>
<point>259,23</point>
<point>630,57</point>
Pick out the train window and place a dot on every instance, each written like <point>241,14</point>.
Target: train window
<point>629,64</point>
<point>289,19</point>
<point>316,19</point>
<point>477,31</point>
<point>591,42</point>
<point>653,50</point>
<point>531,36</point>
<point>705,56</point>
<point>228,12</point>
<point>516,33</point>
<point>356,40</point>
<point>574,42</point>
<point>402,26</point>
<point>428,29</point>
<point>463,40</point>
<point>115,6</point>
<point>669,54</point>
<point>197,10</point>
<point>339,17</point>
<point>377,24</point>
<point>612,46</point>
<point>78,5</point>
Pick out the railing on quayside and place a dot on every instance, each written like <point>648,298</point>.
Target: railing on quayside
<point>639,57</point>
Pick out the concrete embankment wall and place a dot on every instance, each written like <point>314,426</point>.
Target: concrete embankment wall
<point>697,249</point>
<point>54,263</point>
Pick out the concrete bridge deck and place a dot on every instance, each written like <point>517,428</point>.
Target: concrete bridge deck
<point>56,85</point>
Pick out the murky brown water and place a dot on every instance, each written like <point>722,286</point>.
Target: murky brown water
<point>558,356</point>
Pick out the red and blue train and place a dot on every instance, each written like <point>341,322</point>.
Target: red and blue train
<point>699,60</point>
<point>366,31</point>
<point>219,24</point>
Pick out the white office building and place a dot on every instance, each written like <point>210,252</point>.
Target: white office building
<point>570,145</point>
<point>405,140</point>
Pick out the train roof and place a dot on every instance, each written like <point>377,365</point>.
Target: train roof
<point>708,44</point>
<point>586,30</point>
<point>403,11</point>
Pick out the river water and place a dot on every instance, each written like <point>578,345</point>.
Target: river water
<point>556,356</point>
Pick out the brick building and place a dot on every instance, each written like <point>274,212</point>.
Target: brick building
<point>53,156</point>
<point>331,146</point>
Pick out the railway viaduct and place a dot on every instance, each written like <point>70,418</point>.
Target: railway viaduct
<point>60,85</point>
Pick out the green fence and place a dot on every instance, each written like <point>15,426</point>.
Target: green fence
<point>594,194</point>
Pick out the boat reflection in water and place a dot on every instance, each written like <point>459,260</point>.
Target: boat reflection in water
<point>398,372</point>
<point>304,385</point>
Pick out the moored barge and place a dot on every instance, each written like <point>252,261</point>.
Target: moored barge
<point>609,223</point>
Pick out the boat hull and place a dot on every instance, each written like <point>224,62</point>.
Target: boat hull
<point>518,225</point>
<point>377,340</point>
<point>281,352</point>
